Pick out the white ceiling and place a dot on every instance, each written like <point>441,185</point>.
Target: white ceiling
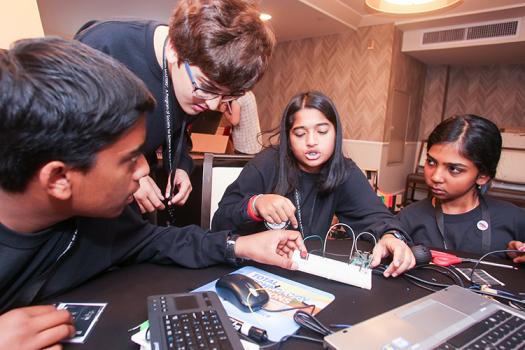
<point>299,19</point>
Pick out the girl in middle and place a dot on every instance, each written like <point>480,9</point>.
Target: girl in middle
<point>305,181</point>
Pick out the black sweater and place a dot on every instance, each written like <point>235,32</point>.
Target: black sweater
<point>353,202</point>
<point>100,245</point>
<point>131,42</point>
<point>461,232</point>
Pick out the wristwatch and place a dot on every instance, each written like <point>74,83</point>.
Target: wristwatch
<point>396,234</point>
<point>229,252</point>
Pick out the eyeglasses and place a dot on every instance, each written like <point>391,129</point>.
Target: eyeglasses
<point>204,94</point>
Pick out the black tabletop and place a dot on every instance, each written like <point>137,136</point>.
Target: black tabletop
<point>125,291</point>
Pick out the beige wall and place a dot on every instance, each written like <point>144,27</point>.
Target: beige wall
<point>19,19</point>
<point>495,92</point>
<point>352,68</point>
<point>359,71</point>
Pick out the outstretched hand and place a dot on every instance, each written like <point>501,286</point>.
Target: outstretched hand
<point>274,247</point>
<point>403,259</point>
<point>275,209</point>
<point>183,183</point>
<point>148,196</point>
<point>517,258</point>
<point>35,327</point>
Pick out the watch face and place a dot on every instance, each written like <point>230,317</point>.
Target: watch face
<point>280,226</point>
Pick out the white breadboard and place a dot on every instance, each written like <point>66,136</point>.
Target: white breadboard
<point>334,270</point>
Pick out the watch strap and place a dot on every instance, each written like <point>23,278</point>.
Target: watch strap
<point>229,251</point>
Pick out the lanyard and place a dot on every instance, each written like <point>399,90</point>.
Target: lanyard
<point>172,162</point>
<point>297,202</point>
<point>28,294</point>
<point>486,234</point>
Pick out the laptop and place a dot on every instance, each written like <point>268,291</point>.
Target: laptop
<point>453,318</point>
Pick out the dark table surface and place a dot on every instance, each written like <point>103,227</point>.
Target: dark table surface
<point>125,291</point>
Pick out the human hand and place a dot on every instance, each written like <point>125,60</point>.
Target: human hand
<point>275,209</point>
<point>517,258</point>
<point>403,259</point>
<point>148,196</point>
<point>273,247</point>
<point>231,111</point>
<point>35,327</point>
<point>184,188</point>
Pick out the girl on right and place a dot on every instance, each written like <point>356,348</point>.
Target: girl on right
<point>462,157</point>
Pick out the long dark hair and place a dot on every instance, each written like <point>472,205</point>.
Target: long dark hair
<point>479,140</point>
<point>333,172</point>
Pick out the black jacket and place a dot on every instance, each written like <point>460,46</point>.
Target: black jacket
<point>461,232</point>
<point>353,202</point>
<point>100,245</point>
<point>131,42</point>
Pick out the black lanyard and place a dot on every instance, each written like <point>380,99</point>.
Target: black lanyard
<point>486,234</point>
<point>172,162</point>
<point>297,200</point>
<point>27,295</point>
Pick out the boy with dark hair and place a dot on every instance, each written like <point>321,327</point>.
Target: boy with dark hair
<point>211,52</point>
<point>72,129</point>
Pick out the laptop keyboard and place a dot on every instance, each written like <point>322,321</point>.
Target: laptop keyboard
<point>195,330</point>
<point>499,331</point>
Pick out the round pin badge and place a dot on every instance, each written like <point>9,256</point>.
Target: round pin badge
<point>482,225</point>
<point>278,226</point>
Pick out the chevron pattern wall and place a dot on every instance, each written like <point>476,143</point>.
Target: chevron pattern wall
<point>495,92</point>
<point>352,68</point>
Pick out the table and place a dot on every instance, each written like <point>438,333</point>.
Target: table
<point>126,289</point>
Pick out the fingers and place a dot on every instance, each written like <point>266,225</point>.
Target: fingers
<point>148,196</point>
<point>516,245</point>
<point>377,254</point>
<point>52,319</point>
<point>402,261</point>
<point>183,193</point>
<point>54,347</point>
<point>293,240</point>
<point>519,259</point>
<point>53,335</point>
<point>276,209</point>
<point>402,257</point>
<point>184,188</point>
<point>38,310</point>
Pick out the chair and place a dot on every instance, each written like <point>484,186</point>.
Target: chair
<point>416,180</point>
<point>218,172</point>
<point>509,183</point>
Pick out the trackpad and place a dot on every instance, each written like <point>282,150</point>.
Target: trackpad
<point>431,316</point>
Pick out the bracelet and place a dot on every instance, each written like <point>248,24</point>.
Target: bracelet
<point>229,251</point>
<point>251,208</point>
<point>397,234</point>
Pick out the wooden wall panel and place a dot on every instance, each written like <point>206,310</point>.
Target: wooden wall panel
<point>495,92</point>
<point>352,68</point>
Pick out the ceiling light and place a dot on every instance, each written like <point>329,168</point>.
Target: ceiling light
<point>409,6</point>
<point>265,17</point>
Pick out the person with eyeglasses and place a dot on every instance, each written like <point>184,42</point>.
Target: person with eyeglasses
<point>210,54</point>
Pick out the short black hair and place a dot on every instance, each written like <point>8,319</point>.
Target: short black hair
<point>61,100</point>
<point>478,138</point>
<point>334,171</point>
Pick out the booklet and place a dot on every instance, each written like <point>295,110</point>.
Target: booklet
<point>284,294</point>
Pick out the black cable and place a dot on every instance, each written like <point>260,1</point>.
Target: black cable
<point>447,271</point>
<point>310,322</point>
<point>423,283</point>
<point>302,337</point>
<point>306,306</point>
<point>521,301</point>
<point>490,253</point>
